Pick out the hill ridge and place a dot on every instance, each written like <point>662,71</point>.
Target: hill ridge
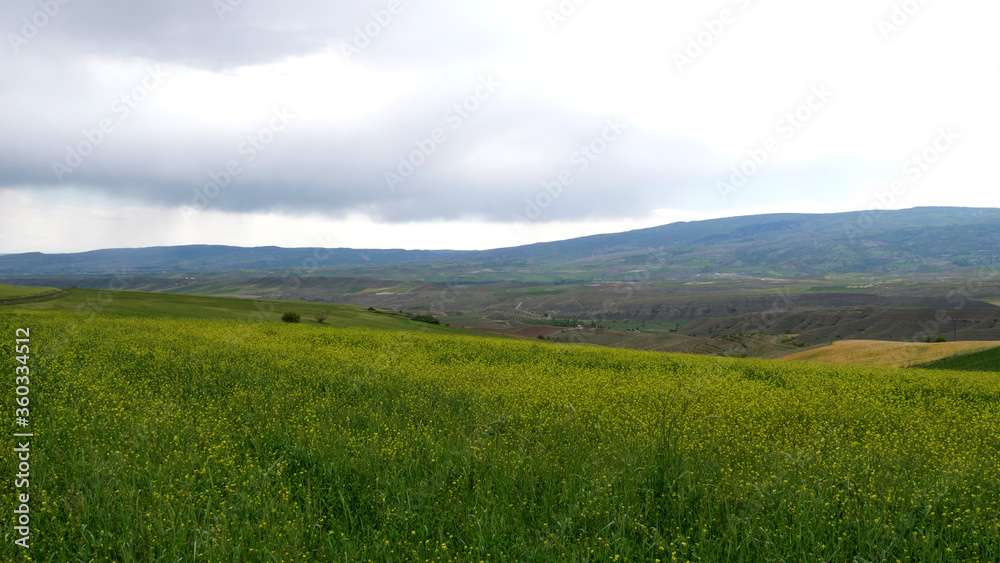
<point>775,244</point>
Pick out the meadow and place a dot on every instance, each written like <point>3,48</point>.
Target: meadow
<point>17,291</point>
<point>876,353</point>
<point>186,439</point>
<point>90,302</point>
<point>983,360</point>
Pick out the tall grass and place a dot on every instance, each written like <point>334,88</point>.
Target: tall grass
<point>167,440</point>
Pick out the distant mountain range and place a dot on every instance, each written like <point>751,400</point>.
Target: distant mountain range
<point>787,245</point>
<point>202,258</point>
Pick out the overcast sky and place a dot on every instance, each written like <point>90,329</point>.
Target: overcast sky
<point>470,125</point>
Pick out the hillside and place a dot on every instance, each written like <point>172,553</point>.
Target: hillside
<point>21,292</point>
<point>91,304</point>
<point>275,442</point>
<point>196,258</point>
<point>790,245</point>
<point>929,239</point>
<point>983,360</point>
<point>886,354</point>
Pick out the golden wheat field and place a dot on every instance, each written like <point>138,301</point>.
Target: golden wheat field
<point>193,440</point>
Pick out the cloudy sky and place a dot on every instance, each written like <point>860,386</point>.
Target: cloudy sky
<point>458,124</point>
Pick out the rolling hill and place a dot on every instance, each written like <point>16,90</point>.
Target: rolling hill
<point>196,258</point>
<point>891,354</point>
<point>928,239</point>
<point>983,360</point>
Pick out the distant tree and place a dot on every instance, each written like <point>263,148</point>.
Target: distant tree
<point>941,338</point>
<point>291,317</point>
<point>320,317</point>
<point>426,319</point>
<point>371,308</point>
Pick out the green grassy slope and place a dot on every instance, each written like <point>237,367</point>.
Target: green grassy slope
<point>184,439</point>
<point>13,291</point>
<point>134,303</point>
<point>986,360</point>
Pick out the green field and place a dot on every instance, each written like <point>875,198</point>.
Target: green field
<point>134,303</point>
<point>393,289</point>
<point>650,327</point>
<point>12,291</point>
<point>218,288</point>
<point>986,360</point>
<point>825,288</point>
<point>206,439</point>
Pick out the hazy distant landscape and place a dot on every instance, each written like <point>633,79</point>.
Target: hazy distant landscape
<point>747,286</point>
<point>467,406</point>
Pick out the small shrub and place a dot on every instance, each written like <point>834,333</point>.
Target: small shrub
<point>941,338</point>
<point>425,319</point>
<point>291,317</point>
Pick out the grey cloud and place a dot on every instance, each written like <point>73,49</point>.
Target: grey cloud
<point>185,31</point>
<point>337,171</point>
<point>495,165</point>
<point>198,33</point>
